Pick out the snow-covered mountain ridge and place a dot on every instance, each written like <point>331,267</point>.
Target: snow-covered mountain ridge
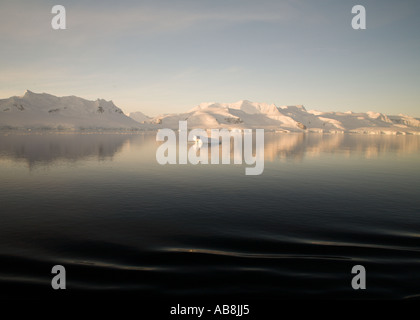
<point>45,111</point>
<point>247,114</point>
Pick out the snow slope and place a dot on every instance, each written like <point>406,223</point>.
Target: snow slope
<point>42,111</point>
<point>139,117</point>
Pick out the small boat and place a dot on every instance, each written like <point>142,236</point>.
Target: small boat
<point>205,140</point>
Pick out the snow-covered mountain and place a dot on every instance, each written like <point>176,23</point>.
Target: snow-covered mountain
<point>45,111</point>
<point>139,117</point>
<point>41,111</point>
<point>246,114</point>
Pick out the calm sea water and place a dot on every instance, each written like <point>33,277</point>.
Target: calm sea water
<point>125,226</point>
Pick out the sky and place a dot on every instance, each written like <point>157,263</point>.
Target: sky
<point>169,56</point>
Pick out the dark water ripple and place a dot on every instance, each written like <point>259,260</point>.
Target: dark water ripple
<point>240,267</point>
<point>125,227</point>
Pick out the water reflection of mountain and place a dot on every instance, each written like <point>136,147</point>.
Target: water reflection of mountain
<point>298,146</point>
<point>44,149</point>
